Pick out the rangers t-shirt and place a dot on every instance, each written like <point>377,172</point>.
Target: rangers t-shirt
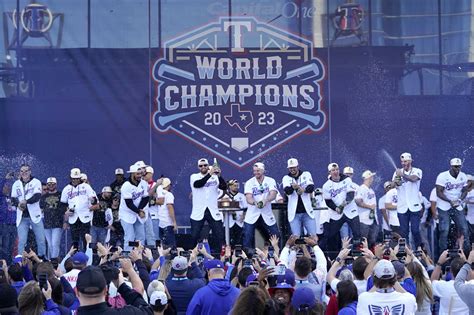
<point>367,195</point>
<point>452,188</point>
<point>260,192</point>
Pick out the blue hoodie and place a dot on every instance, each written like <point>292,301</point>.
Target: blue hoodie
<point>218,297</point>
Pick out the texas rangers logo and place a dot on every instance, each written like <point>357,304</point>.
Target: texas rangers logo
<point>238,88</point>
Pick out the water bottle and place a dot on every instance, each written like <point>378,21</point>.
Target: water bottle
<point>372,214</point>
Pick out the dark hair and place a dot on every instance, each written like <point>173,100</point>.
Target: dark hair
<point>158,307</point>
<point>358,267</point>
<point>15,272</point>
<point>456,265</point>
<point>3,277</point>
<point>68,264</point>
<point>303,267</point>
<point>243,275</point>
<point>347,293</point>
<point>56,290</point>
<point>251,301</point>
<point>45,267</point>
<point>383,283</point>
<point>317,309</point>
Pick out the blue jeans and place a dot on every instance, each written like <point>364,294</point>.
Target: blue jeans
<point>151,235</point>
<point>267,231</point>
<point>133,232</point>
<point>38,229</point>
<point>99,234</point>
<point>345,231</point>
<point>444,223</point>
<point>305,220</point>
<point>53,237</point>
<point>412,219</point>
<point>7,241</point>
<point>168,238</point>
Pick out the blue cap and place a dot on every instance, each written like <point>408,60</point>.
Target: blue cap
<point>213,263</point>
<point>80,258</point>
<point>288,277</point>
<point>250,278</point>
<point>17,259</point>
<point>303,296</point>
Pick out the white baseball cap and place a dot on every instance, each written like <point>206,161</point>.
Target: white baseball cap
<point>331,166</point>
<point>75,173</point>
<point>149,169</point>
<point>203,161</point>
<point>83,176</point>
<point>158,296</point>
<point>292,162</point>
<point>405,157</point>
<point>455,162</point>
<point>165,182</point>
<point>259,165</point>
<point>348,170</point>
<point>140,164</point>
<point>134,168</point>
<point>384,269</point>
<point>367,174</point>
<point>51,180</point>
<point>119,171</point>
<point>106,189</point>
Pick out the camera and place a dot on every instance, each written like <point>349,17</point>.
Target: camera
<point>401,249</point>
<point>238,250</point>
<point>271,251</point>
<point>356,246</point>
<point>300,241</point>
<point>453,253</point>
<point>133,243</point>
<point>43,280</point>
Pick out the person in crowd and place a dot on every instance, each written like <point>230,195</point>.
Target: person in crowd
<point>299,186</point>
<point>30,300</point>
<point>347,297</point>
<point>79,262</point>
<point>367,205</point>
<point>80,200</point>
<point>25,196</point>
<point>424,292</point>
<point>159,302</point>
<point>133,211</point>
<point>16,277</point>
<point>180,287</point>
<point>116,185</point>
<point>205,186</point>
<point>304,302</point>
<point>407,182</point>
<point>450,302</point>
<point>8,232</point>
<point>388,293</point>
<point>451,189</point>
<point>218,296</point>
<point>236,220</point>
<point>166,217</point>
<point>282,291</point>
<point>251,301</point>
<point>303,269</point>
<point>53,212</point>
<point>464,289</point>
<point>102,217</point>
<point>259,191</point>
<point>8,300</point>
<point>338,193</point>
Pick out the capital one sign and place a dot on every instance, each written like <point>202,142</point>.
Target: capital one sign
<point>238,88</point>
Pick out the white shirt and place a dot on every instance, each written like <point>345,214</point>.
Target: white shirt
<point>239,215</point>
<point>386,303</point>
<point>303,180</point>
<point>205,197</point>
<point>260,192</point>
<point>449,300</point>
<point>470,207</point>
<point>71,277</point>
<point>337,192</point>
<point>164,213</point>
<point>408,192</point>
<point>390,197</point>
<point>360,284</point>
<point>350,210</point>
<point>156,208</point>
<point>79,198</point>
<point>23,193</point>
<point>367,195</point>
<point>452,188</point>
<point>136,193</point>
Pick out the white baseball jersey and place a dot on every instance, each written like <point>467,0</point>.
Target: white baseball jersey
<point>391,198</point>
<point>205,197</point>
<point>79,198</point>
<point>23,193</point>
<point>367,195</point>
<point>164,213</point>
<point>303,180</point>
<point>408,191</point>
<point>239,215</point>
<point>136,193</point>
<point>337,192</point>
<point>452,189</point>
<point>470,207</point>
<point>260,192</point>
<point>154,210</point>
<point>351,210</point>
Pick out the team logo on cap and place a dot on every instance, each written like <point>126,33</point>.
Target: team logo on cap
<point>239,88</point>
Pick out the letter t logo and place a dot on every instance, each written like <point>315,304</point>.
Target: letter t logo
<point>237,34</point>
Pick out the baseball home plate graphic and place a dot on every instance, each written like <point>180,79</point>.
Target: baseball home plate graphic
<point>238,88</point>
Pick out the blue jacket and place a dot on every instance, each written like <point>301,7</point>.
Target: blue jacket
<point>218,297</point>
<point>182,289</point>
<point>350,309</point>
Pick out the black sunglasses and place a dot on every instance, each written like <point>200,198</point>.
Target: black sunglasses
<point>204,165</point>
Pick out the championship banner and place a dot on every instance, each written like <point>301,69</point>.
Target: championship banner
<point>239,88</point>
